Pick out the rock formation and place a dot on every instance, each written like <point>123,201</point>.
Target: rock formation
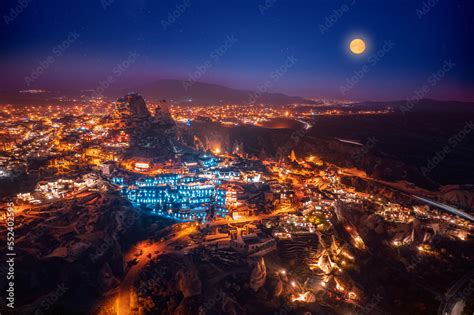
<point>152,137</point>
<point>258,275</point>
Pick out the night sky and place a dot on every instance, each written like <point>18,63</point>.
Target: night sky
<point>241,44</point>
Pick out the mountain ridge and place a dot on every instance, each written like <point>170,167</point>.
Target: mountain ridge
<point>201,93</point>
<point>182,91</point>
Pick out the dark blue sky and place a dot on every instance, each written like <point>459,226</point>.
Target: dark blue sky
<point>266,34</point>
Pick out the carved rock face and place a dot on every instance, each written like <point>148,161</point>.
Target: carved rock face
<point>258,275</point>
<point>162,113</point>
<point>149,136</point>
<point>188,282</point>
<point>137,105</point>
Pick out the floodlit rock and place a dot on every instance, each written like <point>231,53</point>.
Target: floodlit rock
<point>258,275</point>
<point>189,283</point>
<point>107,280</point>
<point>162,113</point>
<point>131,106</point>
<point>149,137</point>
<point>277,287</point>
<point>58,252</point>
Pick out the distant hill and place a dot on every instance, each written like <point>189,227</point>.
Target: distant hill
<point>422,105</point>
<point>177,91</point>
<point>174,91</point>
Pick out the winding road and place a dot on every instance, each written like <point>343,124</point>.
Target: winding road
<point>155,249</point>
<point>124,298</point>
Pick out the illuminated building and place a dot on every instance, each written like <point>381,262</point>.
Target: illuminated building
<point>142,166</point>
<point>182,197</point>
<point>253,244</point>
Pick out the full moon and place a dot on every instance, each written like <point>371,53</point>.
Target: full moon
<point>357,46</point>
